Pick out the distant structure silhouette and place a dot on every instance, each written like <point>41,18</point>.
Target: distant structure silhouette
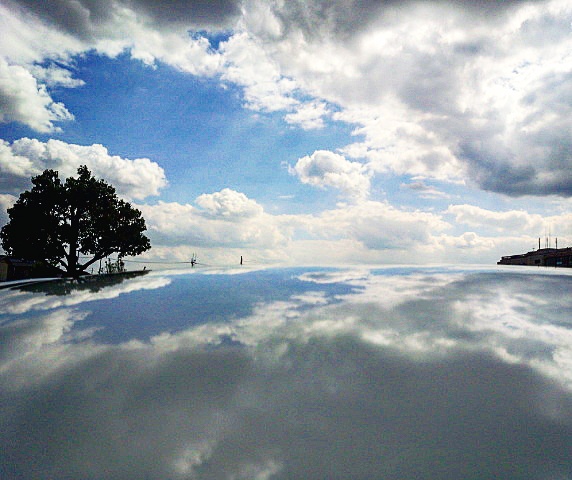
<point>543,257</point>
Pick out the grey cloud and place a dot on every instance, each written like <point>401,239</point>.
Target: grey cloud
<point>78,18</point>
<point>446,82</point>
<point>489,7</point>
<point>430,81</point>
<point>533,157</point>
<point>495,174</point>
<point>346,18</point>
<point>189,12</point>
<point>85,18</point>
<point>6,202</point>
<point>14,184</point>
<point>548,173</point>
<point>546,30</point>
<point>337,17</point>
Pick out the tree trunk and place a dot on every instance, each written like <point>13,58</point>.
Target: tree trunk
<point>72,255</point>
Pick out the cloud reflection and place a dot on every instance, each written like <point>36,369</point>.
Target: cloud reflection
<point>59,293</point>
<point>437,376</point>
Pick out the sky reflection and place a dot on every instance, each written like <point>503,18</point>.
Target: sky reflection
<point>282,374</point>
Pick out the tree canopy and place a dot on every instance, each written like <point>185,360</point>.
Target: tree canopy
<point>62,223</point>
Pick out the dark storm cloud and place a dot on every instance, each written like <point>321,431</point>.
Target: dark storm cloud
<point>345,18</point>
<point>542,165</point>
<point>530,156</point>
<point>78,18</point>
<point>518,181</point>
<point>313,406</point>
<point>189,12</point>
<point>84,18</point>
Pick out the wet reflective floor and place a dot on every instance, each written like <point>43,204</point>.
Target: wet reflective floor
<point>393,373</point>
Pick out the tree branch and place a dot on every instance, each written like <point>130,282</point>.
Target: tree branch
<point>93,260</point>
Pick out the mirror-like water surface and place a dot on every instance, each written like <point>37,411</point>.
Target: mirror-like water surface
<point>289,374</point>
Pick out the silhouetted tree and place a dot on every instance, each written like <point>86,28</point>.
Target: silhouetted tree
<point>56,222</point>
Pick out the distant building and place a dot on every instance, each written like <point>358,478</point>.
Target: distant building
<point>15,268</point>
<point>543,257</point>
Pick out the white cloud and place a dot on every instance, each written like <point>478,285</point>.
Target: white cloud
<point>55,76</point>
<point>6,202</point>
<point>37,32</point>
<point>434,92</point>
<point>190,55</point>
<point>227,225</point>
<point>308,116</point>
<point>134,179</point>
<point>14,164</point>
<point>226,219</point>
<point>249,65</point>
<point>27,38</point>
<point>229,204</point>
<point>327,169</point>
<point>509,221</point>
<point>466,94</point>
<point>23,100</point>
<point>379,226</point>
<point>363,232</point>
<point>469,240</point>
<point>484,99</point>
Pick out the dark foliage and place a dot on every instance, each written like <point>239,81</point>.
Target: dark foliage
<point>58,223</point>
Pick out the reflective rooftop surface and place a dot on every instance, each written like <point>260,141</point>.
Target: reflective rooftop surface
<point>388,373</point>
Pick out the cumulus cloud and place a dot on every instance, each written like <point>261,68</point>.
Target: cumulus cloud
<point>465,92</point>
<point>249,65</point>
<point>226,218</point>
<point>509,221</point>
<point>6,202</point>
<point>327,169</point>
<point>60,29</point>
<point>13,164</point>
<point>229,204</point>
<point>484,100</point>
<point>361,232</point>
<point>134,179</point>
<point>23,100</point>
<point>454,104</point>
<point>379,226</point>
<point>468,240</point>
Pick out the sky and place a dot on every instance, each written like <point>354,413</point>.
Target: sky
<point>301,132</point>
